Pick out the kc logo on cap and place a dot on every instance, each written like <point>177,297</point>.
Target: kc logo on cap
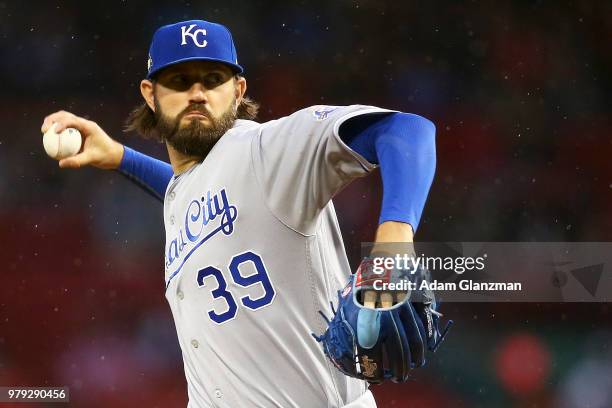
<point>193,40</point>
<point>186,31</point>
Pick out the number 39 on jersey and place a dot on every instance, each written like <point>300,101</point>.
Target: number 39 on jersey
<point>225,305</point>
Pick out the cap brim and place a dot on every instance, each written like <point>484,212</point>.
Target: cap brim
<point>236,69</point>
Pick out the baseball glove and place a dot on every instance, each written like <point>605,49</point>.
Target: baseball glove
<point>382,344</point>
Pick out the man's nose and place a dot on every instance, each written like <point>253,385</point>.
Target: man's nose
<point>197,92</point>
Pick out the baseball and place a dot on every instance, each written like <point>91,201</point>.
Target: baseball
<point>62,145</point>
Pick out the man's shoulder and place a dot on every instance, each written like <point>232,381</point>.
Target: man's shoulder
<point>315,116</point>
<point>302,117</point>
<point>321,114</point>
<point>242,131</point>
<point>244,125</point>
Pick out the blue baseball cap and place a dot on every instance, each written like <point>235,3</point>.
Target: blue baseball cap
<point>193,40</point>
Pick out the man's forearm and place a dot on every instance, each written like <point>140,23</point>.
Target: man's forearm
<point>149,173</point>
<point>404,147</point>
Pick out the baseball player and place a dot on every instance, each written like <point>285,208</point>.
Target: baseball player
<point>253,248</point>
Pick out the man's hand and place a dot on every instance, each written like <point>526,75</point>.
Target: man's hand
<point>99,149</point>
<point>387,232</point>
<point>386,344</point>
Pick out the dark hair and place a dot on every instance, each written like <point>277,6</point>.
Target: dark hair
<point>142,119</point>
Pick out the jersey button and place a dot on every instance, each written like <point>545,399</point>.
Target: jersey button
<point>218,393</point>
<point>172,220</point>
<point>195,343</point>
<point>180,295</point>
<point>171,196</point>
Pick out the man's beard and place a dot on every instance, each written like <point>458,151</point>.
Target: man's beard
<point>195,138</point>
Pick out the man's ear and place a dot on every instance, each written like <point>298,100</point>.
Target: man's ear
<point>146,90</point>
<point>241,87</point>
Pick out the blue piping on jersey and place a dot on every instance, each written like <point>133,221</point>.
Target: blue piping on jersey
<point>206,238</point>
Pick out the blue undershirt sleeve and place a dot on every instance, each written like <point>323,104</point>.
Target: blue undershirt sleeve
<point>403,145</point>
<point>151,174</point>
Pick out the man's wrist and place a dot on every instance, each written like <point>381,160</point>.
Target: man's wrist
<point>394,231</point>
<point>118,155</point>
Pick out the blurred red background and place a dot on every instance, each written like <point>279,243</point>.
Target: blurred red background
<point>520,95</point>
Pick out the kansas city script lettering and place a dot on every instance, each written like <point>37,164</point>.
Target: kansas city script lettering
<point>213,209</point>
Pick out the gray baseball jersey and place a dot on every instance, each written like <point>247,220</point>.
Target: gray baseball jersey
<point>253,252</point>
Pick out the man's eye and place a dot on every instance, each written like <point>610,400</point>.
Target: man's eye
<point>178,79</point>
<point>213,79</point>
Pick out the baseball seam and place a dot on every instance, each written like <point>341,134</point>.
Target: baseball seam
<point>59,146</point>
